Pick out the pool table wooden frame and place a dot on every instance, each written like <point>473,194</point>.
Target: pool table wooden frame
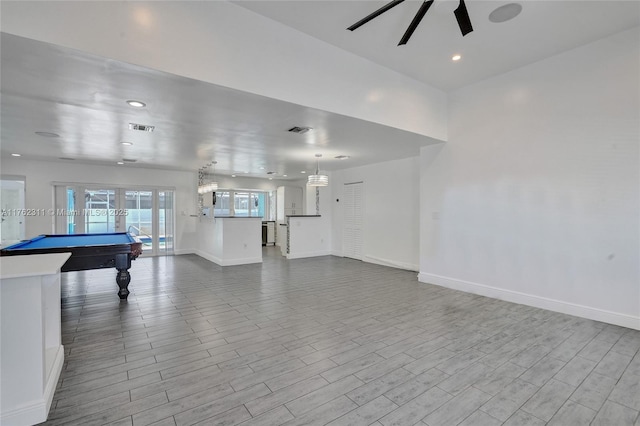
<point>91,255</point>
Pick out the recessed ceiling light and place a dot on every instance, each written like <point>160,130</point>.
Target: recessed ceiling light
<point>261,168</point>
<point>233,175</point>
<point>137,104</point>
<point>126,143</point>
<point>341,157</point>
<point>304,171</point>
<point>270,178</point>
<point>120,163</point>
<point>246,172</point>
<point>505,13</point>
<point>284,175</point>
<point>456,57</point>
<point>16,155</point>
<point>48,134</point>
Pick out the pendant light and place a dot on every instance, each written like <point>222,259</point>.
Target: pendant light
<point>212,186</point>
<point>318,179</point>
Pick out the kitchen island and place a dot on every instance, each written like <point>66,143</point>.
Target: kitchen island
<point>304,237</point>
<point>231,240</point>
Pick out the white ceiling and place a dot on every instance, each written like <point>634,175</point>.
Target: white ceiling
<point>542,29</point>
<point>82,96</point>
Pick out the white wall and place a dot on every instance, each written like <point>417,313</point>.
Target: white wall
<point>391,211</point>
<point>39,190</point>
<point>222,43</point>
<point>230,241</point>
<point>309,237</point>
<point>535,197</point>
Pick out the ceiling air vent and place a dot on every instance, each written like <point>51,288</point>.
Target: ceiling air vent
<point>141,127</point>
<point>271,173</point>
<point>129,160</point>
<point>300,130</point>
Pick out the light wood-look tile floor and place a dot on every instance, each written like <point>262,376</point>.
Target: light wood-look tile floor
<point>328,341</point>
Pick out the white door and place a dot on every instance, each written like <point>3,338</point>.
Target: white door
<point>353,214</point>
<point>12,200</point>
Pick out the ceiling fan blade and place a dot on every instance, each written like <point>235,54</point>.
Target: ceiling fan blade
<point>462,16</point>
<point>375,14</point>
<point>416,20</point>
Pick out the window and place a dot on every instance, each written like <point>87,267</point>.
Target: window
<point>241,203</point>
<point>223,204</point>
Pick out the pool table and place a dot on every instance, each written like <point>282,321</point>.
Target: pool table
<point>88,251</point>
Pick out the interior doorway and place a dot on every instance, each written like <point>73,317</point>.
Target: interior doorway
<point>12,203</point>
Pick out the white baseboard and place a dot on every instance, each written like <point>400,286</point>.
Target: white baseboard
<point>25,415</point>
<point>184,251</point>
<point>309,254</point>
<point>36,411</point>
<point>595,314</point>
<point>391,263</point>
<point>228,262</point>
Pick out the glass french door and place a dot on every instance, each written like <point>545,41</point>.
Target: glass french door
<point>165,222</point>
<point>146,213</point>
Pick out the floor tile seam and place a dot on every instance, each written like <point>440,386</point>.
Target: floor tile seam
<point>605,399</point>
<point>619,403</point>
<point>79,393</point>
<point>92,389</point>
<point>190,371</point>
<point>532,415</point>
<point>71,354</point>
<point>620,353</point>
<point>70,371</point>
<point>80,416</point>
<point>570,384</point>
<point>360,406</point>
<point>605,355</point>
<point>576,403</point>
<point>474,411</point>
<point>522,404</point>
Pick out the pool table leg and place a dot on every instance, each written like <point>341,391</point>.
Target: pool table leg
<point>123,278</point>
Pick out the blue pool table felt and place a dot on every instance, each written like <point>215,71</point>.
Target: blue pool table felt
<point>79,240</point>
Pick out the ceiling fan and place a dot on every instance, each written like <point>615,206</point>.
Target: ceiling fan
<point>462,16</point>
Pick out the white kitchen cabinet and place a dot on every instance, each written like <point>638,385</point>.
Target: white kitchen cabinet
<point>289,202</point>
